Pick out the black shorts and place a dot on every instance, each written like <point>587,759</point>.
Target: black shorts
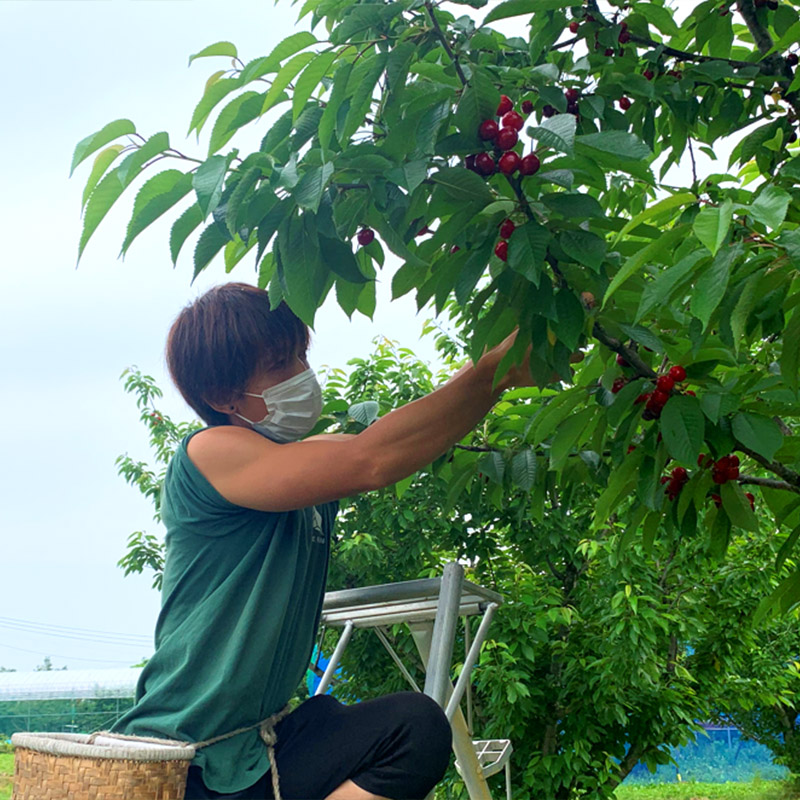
<point>397,746</point>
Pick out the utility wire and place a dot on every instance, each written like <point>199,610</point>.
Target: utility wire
<point>71,658</point>
<point>84,634</point>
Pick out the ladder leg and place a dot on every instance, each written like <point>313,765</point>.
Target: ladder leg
<point>440,657</point>
<point>335,659</point>
<point>471,770</point>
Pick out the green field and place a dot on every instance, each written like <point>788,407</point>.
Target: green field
<point>6,771</point>
<point>756,790</point>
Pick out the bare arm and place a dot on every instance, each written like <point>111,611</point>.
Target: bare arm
<point>252,471</point>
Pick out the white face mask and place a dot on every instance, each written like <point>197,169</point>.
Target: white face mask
<point>293,408</point>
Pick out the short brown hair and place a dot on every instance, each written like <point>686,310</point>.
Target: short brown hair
<point>221,340</point>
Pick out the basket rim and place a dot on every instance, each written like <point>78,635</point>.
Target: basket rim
<point>76,744</point>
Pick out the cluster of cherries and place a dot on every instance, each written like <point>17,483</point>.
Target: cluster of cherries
<point>504,136</point>
<point>657,399</point>
<point>678,477</point>
<point>501,248</point>
<point>623,38</point>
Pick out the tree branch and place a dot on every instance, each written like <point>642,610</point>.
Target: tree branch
<point>790,476</point>
<point>768,482</point>
<point>443,39</point>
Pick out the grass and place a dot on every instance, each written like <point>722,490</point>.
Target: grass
<point>755,790</point>
<point>6,771</point>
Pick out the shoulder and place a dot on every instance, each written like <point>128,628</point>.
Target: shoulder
<point>218,450</point>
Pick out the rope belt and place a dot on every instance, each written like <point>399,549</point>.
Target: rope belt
<point>266,730</point>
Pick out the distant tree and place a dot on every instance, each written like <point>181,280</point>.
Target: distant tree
<point>6,669</point>
<point>47,666</point>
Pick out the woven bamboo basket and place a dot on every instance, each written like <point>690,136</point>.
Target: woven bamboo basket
<point>73,766</point>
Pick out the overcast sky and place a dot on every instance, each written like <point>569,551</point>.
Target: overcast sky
<point>69,67</point>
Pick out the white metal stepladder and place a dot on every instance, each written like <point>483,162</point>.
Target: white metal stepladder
<point>431,608</point>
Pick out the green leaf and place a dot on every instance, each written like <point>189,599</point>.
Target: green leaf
<point>622,480</point>
<point>622,145</point>
<point>667,204</point>
<point>285,76</point>
<point>478,102</point>
<point>719,535</point>
<point>100,201</point>
<point>683,428</point>
<point>309,189</point>
<point>107,133</point>
<point>527,248</point>
<point>216,49</point>
<point>339,258</point>
<point>473,267</point>
<point>309,80</point>
<point>241,110</point>
<point>463,185</point>
<point>493,467</point>
<point>585,247</point>
<point>644,336</point>
<point>208,182</point>
<point>785,596</point>
<point>790,355</point>
<point>770,206</point>
<point>758,433</point>
<point>557,132</point>
<point>571,317</point>
<point>710,287</point>
<point>711,225</point>
<point>133,163</point>
<point>213,94</point>
<point>658,291</point>
<point>523,469</point>
<point>658,16</point>
<point>737,506</point>
<point>210,242</point>
<point>337,96</point>
<point>573,205</point>
<point>516,8</point>
<point>359,89</point>
<point>181,229</point>
<point>786,548</point>
<point>158,195</point>
<point>291,45</point>
<point>365,412</point>
<point>102,162</point>
<point>567,436</point>
<point>647,254</point>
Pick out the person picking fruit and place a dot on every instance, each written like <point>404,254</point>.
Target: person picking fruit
<point>249,505</point>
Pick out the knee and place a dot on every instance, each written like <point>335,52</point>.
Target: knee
<point>429,729</point>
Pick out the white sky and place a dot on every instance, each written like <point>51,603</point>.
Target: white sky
<point>69,67</point>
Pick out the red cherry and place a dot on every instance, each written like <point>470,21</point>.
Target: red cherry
<point>455,248</point>
<point>723,463</point>
<point>664,479</point>
<point>717,500</point>
<point>733,461</point>
<point>792,137</point>
<point>365,236</point>
<point>488,129</point>
<point>719,477</point>
<point>624,103</point>
<point>752,500</point>
<point>506,229</point>
<point>678,374</point>
<point>527,107</point>
<point>512,120</point>
<point>505,105</point>
<point>649,74</point>
<point>609,51</point>
<point>621,360</point>
<point>732,473</point>
<point>529,165</point>
<point>574,26</point>
<point>572,95</point>
<point>642,398</point>
<point>548,111</point>
<point>792,59</point>
<point>691,393</point>
<point>509,162</point>
<point>469,163</point>
<point>423,230</point>
<point>665,383</point>
<point>631,448</point>
<point>501,250</point>
<point>659,398</point>
<point>484,164</point>
<point>624,37</point>
<point>680,474</point>
<point>617,385</point>
<point>506,138</point>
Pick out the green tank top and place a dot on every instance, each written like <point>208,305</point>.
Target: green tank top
<point>240,605</point>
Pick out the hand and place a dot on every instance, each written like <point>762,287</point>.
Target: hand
<point>520,374</point>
